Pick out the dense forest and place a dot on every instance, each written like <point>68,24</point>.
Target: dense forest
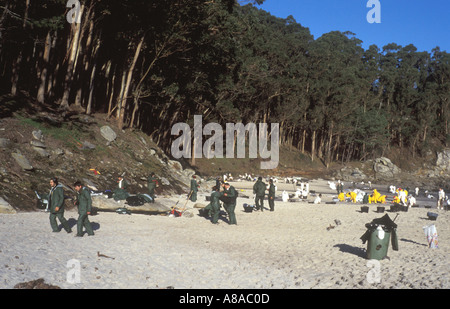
<point>148,64</point>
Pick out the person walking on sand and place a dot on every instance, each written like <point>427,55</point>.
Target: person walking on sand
<point>229,196</point>
<point>271,195</point>
<point>56,205</point>
<point>259,189</point>
<point>84,203</point>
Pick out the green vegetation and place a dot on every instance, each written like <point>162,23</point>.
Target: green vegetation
<point>151,64</point>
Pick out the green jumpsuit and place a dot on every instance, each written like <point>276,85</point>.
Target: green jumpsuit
<point>152,182</point>
<point>194,189</point>
<point>84,203</point>
<point>213,207</point>
<point>56,199</point>
<point>272,197</point>
<point>120,193</point>
<point>259,189</point>
<point>230,205</point>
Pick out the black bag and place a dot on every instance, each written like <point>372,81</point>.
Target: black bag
<point>135,200</point>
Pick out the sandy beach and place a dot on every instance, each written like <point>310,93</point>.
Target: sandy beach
<point>289,248</point>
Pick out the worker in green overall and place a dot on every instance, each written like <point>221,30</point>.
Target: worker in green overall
<point>84,203</point>
<point>152,183</point>
<point>271,195</point>
<point>213,208</point>
<point>259,189</point>
<point>194,189</point>
<point>229,196</point>
<point>56,205</point>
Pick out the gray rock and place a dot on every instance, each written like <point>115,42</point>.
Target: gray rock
<point>58,152</point>
<point>165,181</point>
<point>87,145</point>
<point>199,205</point>
<point>350,174</point>
<point>5,207</point>
<point>109,204</point>
<point>22,161</point>
<point>108,133</point>
<point>4,142</point>
<point>443,161</point>
<point>42,152</point>
<point>39,144</point>
<point>37,135</point>
<point>384,168</point>
<point>175,165</point>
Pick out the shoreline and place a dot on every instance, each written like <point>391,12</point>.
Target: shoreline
<point>290,248</point>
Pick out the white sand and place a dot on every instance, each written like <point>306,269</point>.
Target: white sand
<point>288,248</point>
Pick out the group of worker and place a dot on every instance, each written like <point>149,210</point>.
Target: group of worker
<point>56,208</point>
<point>228,195</point>
<point>121,193</point>
<point>83,201</point>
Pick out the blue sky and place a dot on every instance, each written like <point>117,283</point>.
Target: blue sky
<point>425,24</point>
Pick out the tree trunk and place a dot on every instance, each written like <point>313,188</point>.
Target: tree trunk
<point>123,101</point>
<point>16,65</point>
<point>76,29</point>
<point>46,58</point>
<point>313,145</point>
<point>91,84</point>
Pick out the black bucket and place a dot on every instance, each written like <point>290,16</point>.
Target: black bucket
<point>395,207</point>
<point>365,209</point>
<point>380,209</point>
<point>432,216</point>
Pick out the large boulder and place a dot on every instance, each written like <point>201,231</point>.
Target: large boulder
<point>37,135</point>
<point>4,142</point>
<point>42,152</point>
<point>5,207</point>
<point>22,161</point>
<point>102,203</point>
<point>384,168</point>
<point>443,161</point>
<point>350,174</point>
<point>108,134</point>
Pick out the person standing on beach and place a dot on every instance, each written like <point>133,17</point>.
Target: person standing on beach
<point>56,205</point>
<point>194,189</point>
<point>218,184</point>
<point>271,195</point>
<point>259,189</point>
<point>84,203</point>
<point>340,187</point>
<point>441,198</point>
<point>229,196</point>
<point>152,183</point>
<point>120,193</point>
<point>213,208</point>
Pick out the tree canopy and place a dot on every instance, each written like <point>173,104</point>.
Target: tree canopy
<point>151,64</point>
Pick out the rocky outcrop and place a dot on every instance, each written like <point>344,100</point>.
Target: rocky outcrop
<point>108,134</point>
<point>350,174</point>
<point>385,169</point>
<point>5,208</point>
<point>22,161</point>
<point>443,162</point>
<point>102,203</point>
